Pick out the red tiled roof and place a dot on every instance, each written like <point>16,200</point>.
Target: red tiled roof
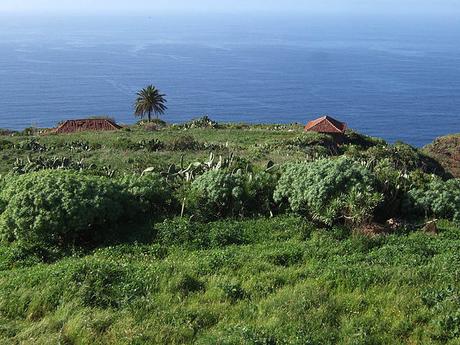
<point>71,126</point>
<point>326,124</point>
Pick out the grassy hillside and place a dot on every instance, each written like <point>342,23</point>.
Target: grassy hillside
<point>138,147</point>
<point>225,234</point>
<point>285,283</point>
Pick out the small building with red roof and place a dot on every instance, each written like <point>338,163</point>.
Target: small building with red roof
<point>73,126</point>
<point>327,125</point>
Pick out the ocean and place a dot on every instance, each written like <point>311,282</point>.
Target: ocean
<point>397,78</point>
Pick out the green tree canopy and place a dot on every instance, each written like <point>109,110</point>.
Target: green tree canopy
<point>150,101</point>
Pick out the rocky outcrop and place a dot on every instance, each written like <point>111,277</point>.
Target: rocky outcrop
<point>446,150</point>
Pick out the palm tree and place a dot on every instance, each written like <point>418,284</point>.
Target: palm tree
<point>150,100</point>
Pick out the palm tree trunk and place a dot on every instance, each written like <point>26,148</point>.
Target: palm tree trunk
<point>150,116</point>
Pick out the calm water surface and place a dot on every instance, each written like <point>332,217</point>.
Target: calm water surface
<point>395,78</point>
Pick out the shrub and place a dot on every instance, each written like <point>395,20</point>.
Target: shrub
<point>5,144</point>
<point>402,157</point>
<point>58,208</point>
<point>149,195</point>
<point>217,194</point>
<point>30,131</point>
<point>158,123</point>
<point>202,122</point>
<point>437,198</point>
<point>56,163</point>
<point>152,145</point>
<point>123,143</point>
<point>31,145</point>
<point>4,131</point>
<point>185,143</point>
<point>313,144</point>
<point>329,190</point>
<point>393,184</point>
<point>362,141</point>
<point>3,182</point>
<point>259,189</point>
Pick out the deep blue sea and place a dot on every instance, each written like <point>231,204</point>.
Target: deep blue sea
<point>396,78</point>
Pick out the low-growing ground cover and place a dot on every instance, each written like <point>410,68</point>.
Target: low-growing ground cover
<point>265,281</point>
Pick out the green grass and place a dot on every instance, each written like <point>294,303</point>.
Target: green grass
<point>258,144</point>
<point>256,281</point>
<point>285,284</point>
<point>112,148</point>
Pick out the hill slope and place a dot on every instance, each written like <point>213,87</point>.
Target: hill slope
<point>447,151</point>
<point>283,284</point>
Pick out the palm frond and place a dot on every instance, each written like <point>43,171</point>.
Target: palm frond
<point>150,101</point>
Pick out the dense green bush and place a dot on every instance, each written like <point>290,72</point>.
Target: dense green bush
<point>156,122</point>
<point>393,184</point>
<point>329,190</point>
<point>437,198</point>
<point>149,195</point>
<point>58,207</point>
<point>401,156</point>
<point>312,144</point>
<point>3,181</point>
<point>152,145</point>
<point>202,122</point>
<point>5,144</point>
<point>259,189</point>
<point>217,194</point>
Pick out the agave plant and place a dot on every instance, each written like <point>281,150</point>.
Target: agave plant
<point>30,164</point>
<point>79,146</point>
<point>31,145</point>
<point>202,122</point>
<point>152,145</point>
<point>194,169</point>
